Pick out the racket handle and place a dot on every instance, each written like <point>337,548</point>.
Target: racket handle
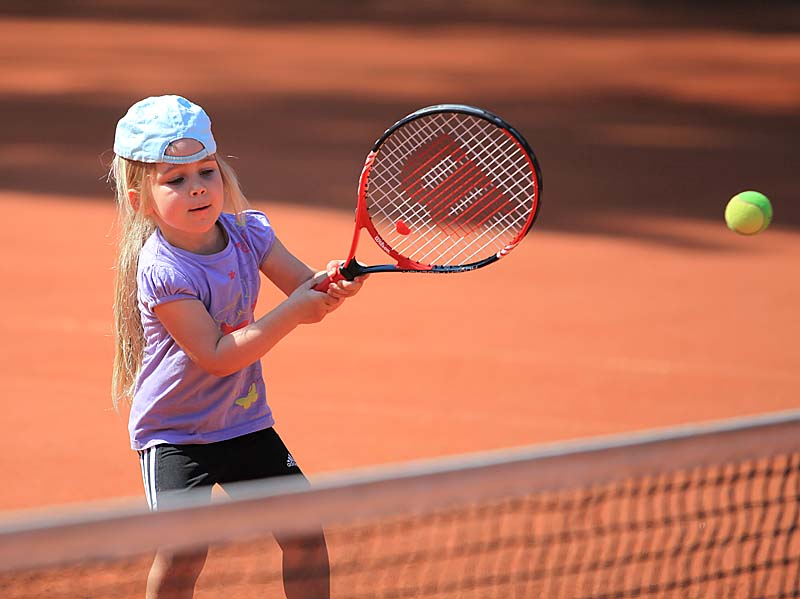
<point>323,286</point>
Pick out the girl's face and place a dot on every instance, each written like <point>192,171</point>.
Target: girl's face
<point>188,199</point>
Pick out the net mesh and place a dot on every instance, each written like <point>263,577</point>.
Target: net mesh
<point>450,189</point>
<point>723,528</point>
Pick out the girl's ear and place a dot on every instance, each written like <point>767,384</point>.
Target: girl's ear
<point>134,199</point>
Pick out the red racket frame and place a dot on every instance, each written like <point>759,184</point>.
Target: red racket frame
<point>352,268</point>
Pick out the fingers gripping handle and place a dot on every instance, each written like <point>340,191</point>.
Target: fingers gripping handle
<point>323,286</point>
<point>347,271</point>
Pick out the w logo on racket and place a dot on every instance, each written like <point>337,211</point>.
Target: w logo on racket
<point>458,194</point>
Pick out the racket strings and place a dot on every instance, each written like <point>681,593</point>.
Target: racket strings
<point>461,187</point>
<point>439,161</point>
<point>467,177</point>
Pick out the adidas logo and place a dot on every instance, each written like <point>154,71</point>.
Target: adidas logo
<point>290,461</point>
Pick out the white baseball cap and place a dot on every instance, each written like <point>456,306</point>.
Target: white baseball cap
<point>152,124</point>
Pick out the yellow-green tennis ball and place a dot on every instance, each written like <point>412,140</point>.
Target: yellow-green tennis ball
<point>748,213</point>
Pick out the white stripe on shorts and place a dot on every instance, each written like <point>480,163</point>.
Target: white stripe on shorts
<point>147,460</point>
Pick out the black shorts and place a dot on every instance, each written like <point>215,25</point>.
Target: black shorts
<point>169,470</point>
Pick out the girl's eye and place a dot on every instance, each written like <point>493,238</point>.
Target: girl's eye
<point>175,181</point>
<point>207,172</point>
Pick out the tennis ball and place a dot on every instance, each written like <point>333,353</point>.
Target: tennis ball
<point>748,213</point>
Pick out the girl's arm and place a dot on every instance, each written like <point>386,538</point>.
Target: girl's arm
<point>192,327</point>
<point>198,334</point>
<point>287,272</point>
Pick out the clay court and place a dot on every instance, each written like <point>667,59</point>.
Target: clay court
<point>629,306</point>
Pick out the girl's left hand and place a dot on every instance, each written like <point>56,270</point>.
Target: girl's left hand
<point>344,288</point>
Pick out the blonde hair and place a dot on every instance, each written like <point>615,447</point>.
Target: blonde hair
<point>134,229</point>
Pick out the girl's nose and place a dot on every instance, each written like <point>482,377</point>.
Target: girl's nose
<point>198,191</point>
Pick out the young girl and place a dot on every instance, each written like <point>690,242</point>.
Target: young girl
<point>188,345</point>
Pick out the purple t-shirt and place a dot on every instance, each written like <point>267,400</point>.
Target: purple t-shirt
<point>175,400</point>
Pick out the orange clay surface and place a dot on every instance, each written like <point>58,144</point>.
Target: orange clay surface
<point>636,318</point>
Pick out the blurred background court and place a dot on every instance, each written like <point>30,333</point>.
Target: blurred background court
<point>629,306</point>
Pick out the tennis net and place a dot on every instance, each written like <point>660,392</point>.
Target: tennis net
<point>695,511</point>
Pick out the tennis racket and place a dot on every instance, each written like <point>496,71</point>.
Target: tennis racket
<point>449,188</point>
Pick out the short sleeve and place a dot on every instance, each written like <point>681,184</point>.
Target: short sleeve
<point>260,234</point>
<point>159,285</point>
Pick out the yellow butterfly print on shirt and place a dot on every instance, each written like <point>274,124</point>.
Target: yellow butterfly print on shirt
<point>249,399</point>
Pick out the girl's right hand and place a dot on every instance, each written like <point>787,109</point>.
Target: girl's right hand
<point>312,306</point>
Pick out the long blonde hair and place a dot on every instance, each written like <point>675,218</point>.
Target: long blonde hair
<point>134,229</point>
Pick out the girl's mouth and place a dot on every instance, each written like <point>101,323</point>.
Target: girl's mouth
<point>200,208</point>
